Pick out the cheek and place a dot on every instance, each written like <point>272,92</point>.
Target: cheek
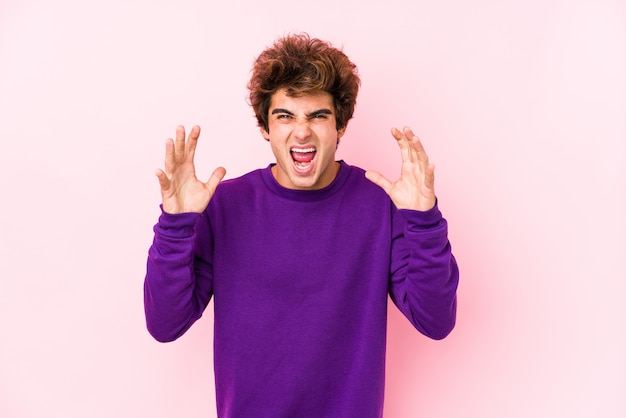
<point>279,150</point>
<point>278,131</point>
<point>328,136</point>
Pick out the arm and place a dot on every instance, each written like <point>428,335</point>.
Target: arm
<point>178,283</point>
<point>424,273</point>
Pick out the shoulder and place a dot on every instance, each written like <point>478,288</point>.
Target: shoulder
<point>236,192</point>
<point>356,178</point>
<point>364,190</point>
<point>239,185</point>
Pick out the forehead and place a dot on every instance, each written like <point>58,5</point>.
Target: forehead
<point>304,103</point>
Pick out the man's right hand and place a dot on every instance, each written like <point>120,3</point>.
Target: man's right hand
<point>181,190</point>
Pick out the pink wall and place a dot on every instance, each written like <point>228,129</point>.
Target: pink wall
<point>522,107</point>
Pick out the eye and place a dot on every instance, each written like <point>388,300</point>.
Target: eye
<point>283,116</point>
<point>319,117</point>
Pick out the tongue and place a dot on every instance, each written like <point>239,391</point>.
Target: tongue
<point>303,157</point>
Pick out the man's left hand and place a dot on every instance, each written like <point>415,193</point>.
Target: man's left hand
<point>415,189</point>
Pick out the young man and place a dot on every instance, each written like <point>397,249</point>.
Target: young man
<point>299,257</point>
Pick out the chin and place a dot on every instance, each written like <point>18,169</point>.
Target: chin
<point>305,182</point>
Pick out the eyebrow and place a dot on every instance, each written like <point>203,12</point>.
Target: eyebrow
<point>308,115</point>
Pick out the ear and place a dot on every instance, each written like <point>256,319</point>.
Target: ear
<point>265,134</point>
<point>340,132</point>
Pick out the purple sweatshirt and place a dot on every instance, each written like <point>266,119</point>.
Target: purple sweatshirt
<point>299,281</point>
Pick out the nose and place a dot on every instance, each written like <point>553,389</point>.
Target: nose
<point>302,130</point>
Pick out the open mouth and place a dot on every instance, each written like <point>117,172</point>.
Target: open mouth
<point>303,158</point>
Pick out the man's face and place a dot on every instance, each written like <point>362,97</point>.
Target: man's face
<point>303,136</point>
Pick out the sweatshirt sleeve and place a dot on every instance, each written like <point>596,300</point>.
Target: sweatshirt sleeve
<point>424,273</point>
<point>178,284</point>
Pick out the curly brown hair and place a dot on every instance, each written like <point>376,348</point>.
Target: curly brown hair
<point>303,65</point>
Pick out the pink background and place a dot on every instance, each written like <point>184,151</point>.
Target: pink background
<point>521,106</point>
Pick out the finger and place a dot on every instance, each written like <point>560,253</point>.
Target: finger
<point>215,179</point>
<point>169,156</point>
<point>418,150</point>
<point>179,145</point>
<point>378,179</point>
<point>192,142</point>
<point>403,143</point>
<point>429,177</point>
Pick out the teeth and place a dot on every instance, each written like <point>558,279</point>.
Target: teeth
<point>302,150</point>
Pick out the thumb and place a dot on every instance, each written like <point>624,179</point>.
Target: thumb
<point>378,179</point>
<point>215,179</point>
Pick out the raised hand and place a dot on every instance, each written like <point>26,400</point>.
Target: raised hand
<point>415,189</point>
<point>181,190</point>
